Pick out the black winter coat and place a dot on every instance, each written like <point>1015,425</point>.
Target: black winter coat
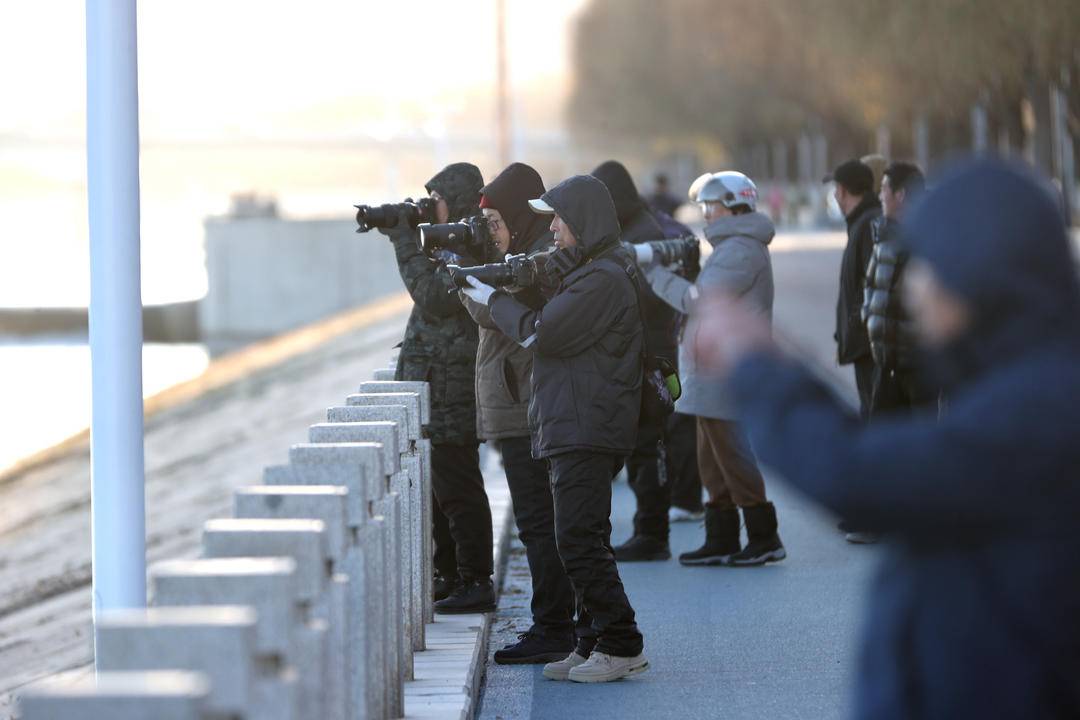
<point>891,332</point>
<point>661,320</point>
<point>587,366</point>
<point>851,339</point>
<point>637,225</point>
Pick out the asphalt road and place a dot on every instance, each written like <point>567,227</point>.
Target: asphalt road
<point>772,642</point>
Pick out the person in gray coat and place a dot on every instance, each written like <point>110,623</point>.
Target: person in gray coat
<point>740,265</point>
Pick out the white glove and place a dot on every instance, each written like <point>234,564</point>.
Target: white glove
<point>479,292</point>
<point>643,254</point>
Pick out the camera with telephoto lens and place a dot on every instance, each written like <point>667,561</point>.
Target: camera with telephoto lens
<point>470,237</point>
<point>517,270</point>
<point>683,251</point>
<point>386,216</point>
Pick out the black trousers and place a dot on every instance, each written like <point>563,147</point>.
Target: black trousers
<point>898,390</point>
<point>459,492</point>
<point>581,483</point>
<point>445,558</point>
<point>679,485</point>
<point>864,383</point>
<point>534,512</point>
<point>682,463</point>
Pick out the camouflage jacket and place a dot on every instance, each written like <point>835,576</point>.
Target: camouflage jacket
<point>440,337</point>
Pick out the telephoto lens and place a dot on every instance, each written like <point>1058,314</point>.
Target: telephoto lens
<point>386,216</point>
<point>684,251</point>
<point>517,270</point>
<point>469,237</point>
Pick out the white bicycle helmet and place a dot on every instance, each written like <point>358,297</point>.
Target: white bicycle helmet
<point>730,189</point>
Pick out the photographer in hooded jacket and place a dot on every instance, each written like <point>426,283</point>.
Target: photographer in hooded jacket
<point>440,348</point>
<point>503,389</point>
<point>583,413</point>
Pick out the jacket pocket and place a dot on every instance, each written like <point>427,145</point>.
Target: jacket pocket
<point>416,360</point>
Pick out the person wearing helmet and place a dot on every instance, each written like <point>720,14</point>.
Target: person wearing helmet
<point>739,265</point>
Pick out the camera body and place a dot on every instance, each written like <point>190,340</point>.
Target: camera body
<point>468,237</point>
<point>517,270</point>
<point>387,216</point>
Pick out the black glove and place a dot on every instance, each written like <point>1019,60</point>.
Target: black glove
<point>403,227</point>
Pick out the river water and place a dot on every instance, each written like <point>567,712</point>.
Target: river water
<point>45,388</point>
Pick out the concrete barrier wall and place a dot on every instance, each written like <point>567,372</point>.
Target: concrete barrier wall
<point>267,275</point>
<point>309,603</point>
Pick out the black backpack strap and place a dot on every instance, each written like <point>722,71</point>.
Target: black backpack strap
<point>632,272</point>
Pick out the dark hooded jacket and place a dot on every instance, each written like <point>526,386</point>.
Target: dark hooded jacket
<point>974,612</point>
<point>852,342</point>
<point>440,337</point>
<point>504,367</point>
<point>638,225</point>
<point>587,366</point>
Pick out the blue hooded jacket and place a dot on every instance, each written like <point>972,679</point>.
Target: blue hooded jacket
<point>976,610</point>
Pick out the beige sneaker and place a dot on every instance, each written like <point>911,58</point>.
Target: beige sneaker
<point>561,670</point>
<point>601,667</point>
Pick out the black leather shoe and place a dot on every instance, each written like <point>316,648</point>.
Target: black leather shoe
<point>471,596</point>
<point>443,585</point>
<point>532,648</point>
<point>641,548</point>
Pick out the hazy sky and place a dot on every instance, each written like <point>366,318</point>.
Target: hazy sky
<point>283,98</point>
<point>228,68</point>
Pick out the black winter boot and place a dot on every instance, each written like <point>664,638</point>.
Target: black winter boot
<point>471,596</point>
<point>641,548</point>
<point>721,538</point>
<point>763,543</point>
<point>443,585</point>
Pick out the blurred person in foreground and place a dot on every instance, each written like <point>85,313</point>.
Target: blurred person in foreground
<point>586,398</point>
<point>503,389</point>
<point>663,450</point>
<point>440,349</point>
<point>741,266</point>
<point>974,609</point>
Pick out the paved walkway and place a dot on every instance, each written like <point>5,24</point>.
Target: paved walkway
<point>772,642</point>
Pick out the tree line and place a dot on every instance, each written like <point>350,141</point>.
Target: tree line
<point>920,78</point>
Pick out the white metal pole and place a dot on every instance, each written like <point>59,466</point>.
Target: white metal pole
<point>117,497</point>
